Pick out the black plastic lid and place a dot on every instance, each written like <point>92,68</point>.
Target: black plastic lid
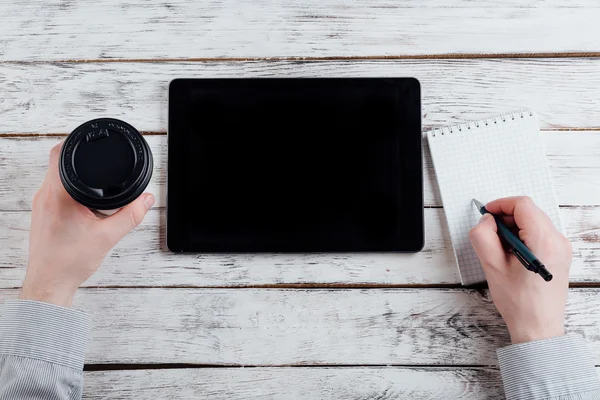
<point>105,164</point>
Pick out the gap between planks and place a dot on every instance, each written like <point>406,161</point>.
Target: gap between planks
<point>479,287</point>
<point>118,367</point>
<point>447,56</point>
<point>301,286</point>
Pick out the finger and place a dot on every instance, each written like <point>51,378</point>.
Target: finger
<point>508,205</point>
<point>52,180</point>
<point>126,219</point>
<point>53,162</point>
<point>509,221</point>
<point>52,175</point>
<point>486,242</point>
<point>526,213</point>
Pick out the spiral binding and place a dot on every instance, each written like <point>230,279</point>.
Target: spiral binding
<point>445,130</point>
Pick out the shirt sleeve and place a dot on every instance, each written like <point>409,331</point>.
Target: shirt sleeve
<point>42,351</point>
<point>560,368</point>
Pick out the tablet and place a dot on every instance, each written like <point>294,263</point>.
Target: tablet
<point>294,165</point>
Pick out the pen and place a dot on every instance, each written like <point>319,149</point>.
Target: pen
<point>516,246</point>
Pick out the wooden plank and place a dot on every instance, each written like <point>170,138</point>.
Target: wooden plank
<point>573,158</point>
<point>275,327</point>
<point>107,29</point>
<point>57,97</point>
<point>142,260</point>
<point>296,383</point>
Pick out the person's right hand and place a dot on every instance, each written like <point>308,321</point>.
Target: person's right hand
<point>532,308</point>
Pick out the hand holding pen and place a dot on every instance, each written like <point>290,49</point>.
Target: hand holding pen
<point>532,308</point>
<point>516,246</point>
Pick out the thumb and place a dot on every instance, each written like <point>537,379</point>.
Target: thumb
<point>486,242</point>
<point>127,218</point>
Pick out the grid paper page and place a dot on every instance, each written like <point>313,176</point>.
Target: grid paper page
<point>486,160</point>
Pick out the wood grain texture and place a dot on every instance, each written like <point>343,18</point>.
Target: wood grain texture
<point>142,260</point>
<point>296,383</point>
<point>57,97</point>
<point>267,327</point>
<point>573,158</point>
<point>109,29</point>
<point>275,327</point>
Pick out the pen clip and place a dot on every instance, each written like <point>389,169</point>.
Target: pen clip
<point>520,257</point>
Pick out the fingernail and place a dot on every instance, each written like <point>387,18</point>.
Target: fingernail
<point>149,201</point>
<point>484,217</point>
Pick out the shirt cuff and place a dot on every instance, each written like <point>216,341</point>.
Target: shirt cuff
<point>45,332</point>
<point>547,368</point>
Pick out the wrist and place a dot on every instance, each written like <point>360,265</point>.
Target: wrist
<point>57,295</point>
<point>526,334</point>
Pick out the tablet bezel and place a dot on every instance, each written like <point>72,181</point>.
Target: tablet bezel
<point>174,240</point>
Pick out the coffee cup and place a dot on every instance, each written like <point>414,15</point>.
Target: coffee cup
<point>105,164</point>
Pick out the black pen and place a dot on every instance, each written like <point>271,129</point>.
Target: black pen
<point>516,246</point>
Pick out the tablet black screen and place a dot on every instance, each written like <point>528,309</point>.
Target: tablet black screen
<point>294,165</point>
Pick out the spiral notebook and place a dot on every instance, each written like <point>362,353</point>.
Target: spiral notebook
<point>488,159</point>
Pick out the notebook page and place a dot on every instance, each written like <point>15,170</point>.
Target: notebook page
<point>486,160</point>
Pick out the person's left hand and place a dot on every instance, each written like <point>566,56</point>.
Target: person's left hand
<point>67,241</point>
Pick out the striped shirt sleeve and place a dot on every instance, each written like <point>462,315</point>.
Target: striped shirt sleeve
<point>560,368</point>
<point>42,351</point>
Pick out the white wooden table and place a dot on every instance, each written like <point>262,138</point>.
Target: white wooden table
<point>316,326</point>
